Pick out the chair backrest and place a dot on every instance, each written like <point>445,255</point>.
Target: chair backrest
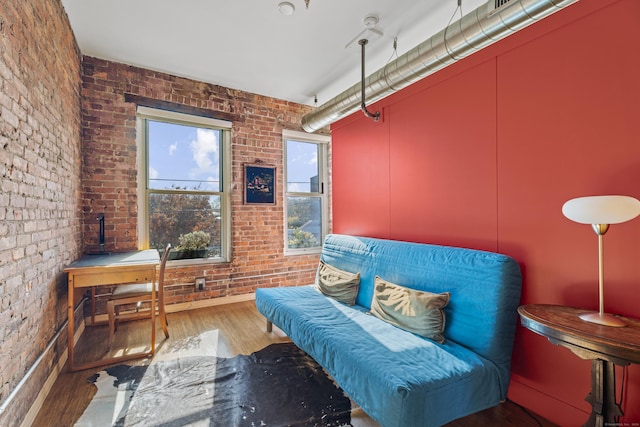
<point>163,263</point>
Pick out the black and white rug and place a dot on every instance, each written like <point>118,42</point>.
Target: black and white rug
<point>279,385</point>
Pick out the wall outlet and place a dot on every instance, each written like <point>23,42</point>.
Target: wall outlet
<point>200,281</point>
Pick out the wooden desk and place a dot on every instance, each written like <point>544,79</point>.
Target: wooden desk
<point>111,269</point>
<point>605,346</point>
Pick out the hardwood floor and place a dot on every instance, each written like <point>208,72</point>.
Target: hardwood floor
<point>225,331</point>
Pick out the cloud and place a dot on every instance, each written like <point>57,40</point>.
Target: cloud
<point>172,148</point>
<point>153,173</point>
<point>303,153</point>
<point>205,151</point>
<point>314,159</point>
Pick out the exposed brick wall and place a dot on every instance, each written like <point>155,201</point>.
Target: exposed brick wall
<point>109,174</point>
<point>40,197</point>
<point>64,158</point>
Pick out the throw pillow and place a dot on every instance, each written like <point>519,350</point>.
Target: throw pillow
<point>415,311</point>
<point>339,284</point>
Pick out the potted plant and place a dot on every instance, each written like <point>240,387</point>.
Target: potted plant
<point>192,245</point>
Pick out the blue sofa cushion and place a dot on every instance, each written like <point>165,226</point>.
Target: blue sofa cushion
<point>484,286</point>
<point>397,377</point>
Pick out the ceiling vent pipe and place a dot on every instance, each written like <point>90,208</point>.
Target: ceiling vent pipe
<point>363,106</point>
<point>474,31</point>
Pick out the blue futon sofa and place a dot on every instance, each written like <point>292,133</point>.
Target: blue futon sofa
<point>397,377</point>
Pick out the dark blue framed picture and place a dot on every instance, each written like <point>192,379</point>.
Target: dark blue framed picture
<point>259,184</point>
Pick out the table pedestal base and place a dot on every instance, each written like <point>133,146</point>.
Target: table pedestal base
<point>603,394</point>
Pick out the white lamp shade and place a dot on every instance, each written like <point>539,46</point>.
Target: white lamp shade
<point>602,209</point>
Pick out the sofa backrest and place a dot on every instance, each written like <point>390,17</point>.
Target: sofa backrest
<point>484,286</point>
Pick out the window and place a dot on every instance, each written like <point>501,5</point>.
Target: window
<point>306,191</point>
<point>185,183</point>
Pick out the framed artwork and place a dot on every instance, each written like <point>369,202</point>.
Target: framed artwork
<point>259,184</point>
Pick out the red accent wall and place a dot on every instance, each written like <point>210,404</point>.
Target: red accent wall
<point>484,153</point>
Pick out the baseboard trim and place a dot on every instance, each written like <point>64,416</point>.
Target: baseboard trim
<point>190,305</point>
<point>550,407</point>
<point>29,419</point>
<point>31,415</point>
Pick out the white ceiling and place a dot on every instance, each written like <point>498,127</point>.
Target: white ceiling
<point>249,45</point>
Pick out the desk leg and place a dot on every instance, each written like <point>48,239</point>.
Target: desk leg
<point>70,322</point>
<point>603,394</point>
<point>153,318</point>
<point>93,306</point>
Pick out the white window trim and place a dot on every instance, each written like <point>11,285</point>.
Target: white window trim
<point>144,113</point>
<point>324,141</point>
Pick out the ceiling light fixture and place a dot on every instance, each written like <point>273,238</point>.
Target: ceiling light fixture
<point>286,8</point>
<point>370,21</point>
<point>369,33</point>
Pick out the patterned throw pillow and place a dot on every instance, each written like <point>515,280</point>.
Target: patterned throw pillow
<point>339,284</point>
<point>415,311</point>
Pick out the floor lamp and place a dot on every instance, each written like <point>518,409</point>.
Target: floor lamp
<point>600,212</point>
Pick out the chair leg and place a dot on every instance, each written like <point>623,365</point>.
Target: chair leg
<point>116,317</point>
<point>164,323</point>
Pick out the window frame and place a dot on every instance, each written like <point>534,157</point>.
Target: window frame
<point>143,115</point>
<point>322,142</point>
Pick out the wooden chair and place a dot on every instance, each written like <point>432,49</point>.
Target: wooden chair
<point>137,294</point>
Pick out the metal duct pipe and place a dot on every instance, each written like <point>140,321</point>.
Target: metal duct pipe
<point>363,106</point>
<point>474,31</point>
